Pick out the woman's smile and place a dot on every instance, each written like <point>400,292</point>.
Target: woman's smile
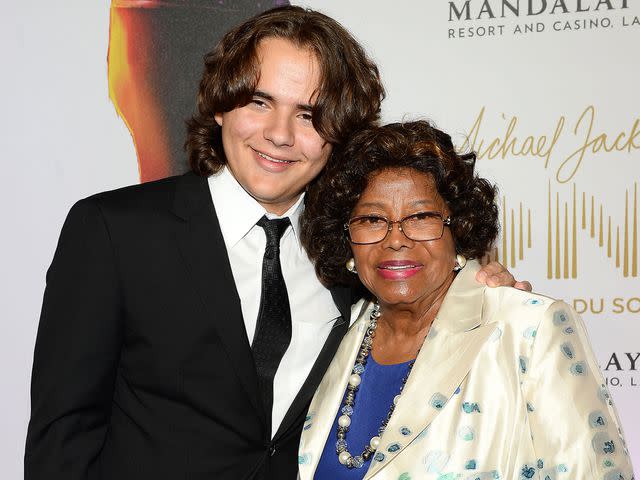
<point>398,269</point>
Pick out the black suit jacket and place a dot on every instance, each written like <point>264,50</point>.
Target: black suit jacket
<point>142,366</point>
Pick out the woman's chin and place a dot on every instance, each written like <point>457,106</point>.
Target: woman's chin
<point>397,298</point>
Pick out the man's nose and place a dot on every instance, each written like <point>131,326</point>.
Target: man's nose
<point>279,130</point>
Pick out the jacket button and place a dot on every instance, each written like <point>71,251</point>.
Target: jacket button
<point>272,450</point>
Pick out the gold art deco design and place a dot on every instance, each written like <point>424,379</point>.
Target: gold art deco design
<point>516,233</point>
<point>623,250</point>
<point>582,215</point>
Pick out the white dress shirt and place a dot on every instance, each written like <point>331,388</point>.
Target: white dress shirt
<point>313,310</point>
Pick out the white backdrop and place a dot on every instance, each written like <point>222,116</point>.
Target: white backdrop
<point>60,140</point>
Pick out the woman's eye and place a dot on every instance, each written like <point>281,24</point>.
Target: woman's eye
<point>307,117</point>
<point>423,215</point>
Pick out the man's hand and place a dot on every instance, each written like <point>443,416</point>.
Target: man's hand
<point>494,274</point>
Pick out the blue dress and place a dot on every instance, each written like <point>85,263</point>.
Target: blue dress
<point>379,385</point>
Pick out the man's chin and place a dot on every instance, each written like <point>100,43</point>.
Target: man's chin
<point>276,205</point>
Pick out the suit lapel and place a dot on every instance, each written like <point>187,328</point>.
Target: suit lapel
<point>342,298</point>
<point>328,398</point>
<point>435,377</point>
<point>454,341</point>
<point>202,247</point>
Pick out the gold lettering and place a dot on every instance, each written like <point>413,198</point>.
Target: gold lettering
<point>630,305</point>
<point>511,144</point>
<point>579,305</point>
<point>594,144</point>
<point>618,305</point>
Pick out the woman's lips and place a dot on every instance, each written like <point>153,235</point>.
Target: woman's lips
<point>271,163</point>
<point>398,269</point>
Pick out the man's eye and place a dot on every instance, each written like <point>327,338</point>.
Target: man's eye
<point>258,102</point>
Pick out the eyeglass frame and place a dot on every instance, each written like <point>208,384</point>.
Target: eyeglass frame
<point>446,222</point>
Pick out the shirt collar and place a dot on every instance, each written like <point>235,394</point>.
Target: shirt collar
<point>238,211</point>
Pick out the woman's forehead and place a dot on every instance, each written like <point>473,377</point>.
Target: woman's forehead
<point>400,187</point>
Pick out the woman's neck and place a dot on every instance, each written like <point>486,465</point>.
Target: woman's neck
<point>402,328</point>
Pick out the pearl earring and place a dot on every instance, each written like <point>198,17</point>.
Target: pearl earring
<point>351,265</point>
<point>461,261</point>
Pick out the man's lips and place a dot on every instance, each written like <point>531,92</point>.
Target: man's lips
<point>271,158</point>
<point>398,269</point>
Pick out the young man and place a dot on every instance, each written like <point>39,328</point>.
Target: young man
<point>178,339</point>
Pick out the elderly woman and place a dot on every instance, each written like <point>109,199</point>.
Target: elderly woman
<point>440,377</point>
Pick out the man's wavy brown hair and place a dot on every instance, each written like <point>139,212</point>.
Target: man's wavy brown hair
<point>348,97</point>
<point>416,145</point>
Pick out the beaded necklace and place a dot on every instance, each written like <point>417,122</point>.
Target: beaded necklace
<point>344,421</point>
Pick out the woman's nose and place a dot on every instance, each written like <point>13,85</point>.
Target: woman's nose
<point>396,238</point>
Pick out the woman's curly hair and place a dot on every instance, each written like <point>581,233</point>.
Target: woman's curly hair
<point>417,145</point>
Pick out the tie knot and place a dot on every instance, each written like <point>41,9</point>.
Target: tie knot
<point>274,229</point>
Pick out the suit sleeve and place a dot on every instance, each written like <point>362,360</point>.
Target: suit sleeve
<point>573,422</point>
<point>76,353</point>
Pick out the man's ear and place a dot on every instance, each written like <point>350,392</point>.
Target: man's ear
<point>218,118</point>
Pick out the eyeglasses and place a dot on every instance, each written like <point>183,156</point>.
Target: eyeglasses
<point>419,227</point>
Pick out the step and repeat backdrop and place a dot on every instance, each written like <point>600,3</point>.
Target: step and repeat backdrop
<point>545,91</point>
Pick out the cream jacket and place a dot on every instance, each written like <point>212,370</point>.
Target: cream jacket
<point>505,387</point>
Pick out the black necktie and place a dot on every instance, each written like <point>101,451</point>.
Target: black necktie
<point>273,328</point>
